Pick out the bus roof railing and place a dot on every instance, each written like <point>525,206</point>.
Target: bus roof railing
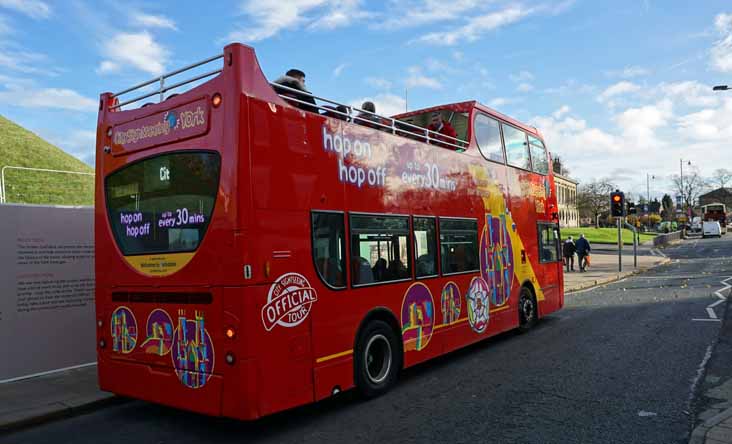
<point>162,87</point>
<point>395,126</point>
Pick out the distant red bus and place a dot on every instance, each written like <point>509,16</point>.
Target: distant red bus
<point>252,256</point>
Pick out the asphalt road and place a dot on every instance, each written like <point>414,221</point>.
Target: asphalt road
<point>618,365</point>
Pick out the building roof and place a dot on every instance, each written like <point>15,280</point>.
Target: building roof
<point>566,178</point>
<point>725,190</point>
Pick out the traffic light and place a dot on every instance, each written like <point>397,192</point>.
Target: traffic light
<point>617,203</point>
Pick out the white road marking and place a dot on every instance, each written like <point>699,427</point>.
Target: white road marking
<point>644,414</point>
<point>705,320</point>
<point>699,373</point>
<point>710,308</point>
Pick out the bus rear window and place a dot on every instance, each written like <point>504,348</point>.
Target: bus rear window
<point>163,204</point>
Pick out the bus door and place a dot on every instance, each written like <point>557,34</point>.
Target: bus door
<point>550,263</point>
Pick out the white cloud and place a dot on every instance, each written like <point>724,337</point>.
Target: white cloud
<point>339,69</point>
<point>617,89</point>
<point>571,86</point>
<point>418,80</point>
<point>721,52</point>
<point>629,72</point>
<point>477,26</point>
<point>502,101</point>
<point>26,62</point>
<point>711,124</point>
<point>378,82</point>
<point>340,13</point>
<point>411,14</point>
<point>138,50</point>
<point>58,98</point>
<point>524,87</point>
<point>561,112</point>
<point>32,8</point>
<point>268,18</point>
<point>386,104</point>
<point>521,76</point>
<point>153,21</point>
<point>639,125</point>
<point>690,92</point>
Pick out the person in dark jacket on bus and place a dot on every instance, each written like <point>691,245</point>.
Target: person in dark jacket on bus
<point>583,250</point>
<point>294,79</point>
<point>568,251</point>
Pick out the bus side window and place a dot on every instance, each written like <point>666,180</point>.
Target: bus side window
<point>459,245</point>
<point>329,248</point>
<point>379,248</point>
<point>538,156</point>
<point>517,150</point>
<point>488,137</point>
<point>425,246</point>
<point>548,243</point>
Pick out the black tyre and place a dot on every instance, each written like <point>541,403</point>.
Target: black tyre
<point>377,359</point>
<point>528,310</point>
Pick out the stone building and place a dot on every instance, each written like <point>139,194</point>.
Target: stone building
<point>567,200</point>
<point>720,195</point>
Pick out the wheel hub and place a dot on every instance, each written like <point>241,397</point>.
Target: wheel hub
<point>377,356</point>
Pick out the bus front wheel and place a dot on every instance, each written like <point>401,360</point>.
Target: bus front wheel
<point>377,359</point>
<point>528,312</point>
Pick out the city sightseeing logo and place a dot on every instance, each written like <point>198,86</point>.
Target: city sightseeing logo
<point>171,121</point>
<point>289,301</point>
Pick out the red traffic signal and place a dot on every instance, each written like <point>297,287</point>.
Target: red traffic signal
<point>617,204</point>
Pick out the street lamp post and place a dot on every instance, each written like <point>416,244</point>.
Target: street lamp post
<point>721,88</point>
<point>648,190</point>
<point>683,192</point>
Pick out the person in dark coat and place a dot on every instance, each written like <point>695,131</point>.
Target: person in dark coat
<point>568,251</point>
<point>295,79</point>
<point>583,250</point>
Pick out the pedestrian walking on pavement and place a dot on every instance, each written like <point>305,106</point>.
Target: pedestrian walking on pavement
<point>583,252</point>
<point>568,251</point>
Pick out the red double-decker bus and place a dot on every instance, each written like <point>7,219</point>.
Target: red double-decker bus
<point>252,256</point>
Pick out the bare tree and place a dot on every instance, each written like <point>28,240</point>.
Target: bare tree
<point>690,188</point>
<point>721,177</point>
<point>593,198</point>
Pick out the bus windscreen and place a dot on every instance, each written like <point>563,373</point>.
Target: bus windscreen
<point>163,204</point>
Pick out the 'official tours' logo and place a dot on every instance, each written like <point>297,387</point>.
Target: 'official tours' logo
<point>288,302</point>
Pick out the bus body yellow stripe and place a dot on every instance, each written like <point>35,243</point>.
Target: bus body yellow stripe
<point>337,355</point>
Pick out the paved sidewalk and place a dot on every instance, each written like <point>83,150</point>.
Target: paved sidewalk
<point>42,398</point>
<point>604,269</point>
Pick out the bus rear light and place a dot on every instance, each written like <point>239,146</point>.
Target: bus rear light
<point>216,100</point>
<point>266,269</point>
<point>230,358</point>
<point>230,333</point>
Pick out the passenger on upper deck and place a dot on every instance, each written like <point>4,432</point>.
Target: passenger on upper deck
<point>295,79</point>
<point>366,119</point>
<point>439,125</point>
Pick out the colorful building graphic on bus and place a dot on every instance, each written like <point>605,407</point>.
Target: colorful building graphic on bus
<point>450,301</point>
<point>417,317</point>
<point>159,333</point>
<point>496,258</point>
<point>124,330</point>
<point>477,305</point>
<point>193,352</point>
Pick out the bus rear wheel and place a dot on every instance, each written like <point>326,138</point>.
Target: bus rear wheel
<point>377,359</point>
<point>528,313</point>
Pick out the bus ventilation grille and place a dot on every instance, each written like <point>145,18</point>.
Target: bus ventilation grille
<point>162,297</point>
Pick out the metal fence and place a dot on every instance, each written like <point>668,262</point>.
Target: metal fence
<point>46,186</point>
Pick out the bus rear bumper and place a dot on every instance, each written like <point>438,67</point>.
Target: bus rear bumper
<point>233,396</point>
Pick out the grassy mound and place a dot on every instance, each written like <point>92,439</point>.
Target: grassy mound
<point>21,148</point>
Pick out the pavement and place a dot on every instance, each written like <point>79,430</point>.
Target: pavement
<point>604,269</point>
<point>613,366</point>
<point>34,400</point>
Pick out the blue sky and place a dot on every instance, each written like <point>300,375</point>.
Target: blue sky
<point>620,89</point>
